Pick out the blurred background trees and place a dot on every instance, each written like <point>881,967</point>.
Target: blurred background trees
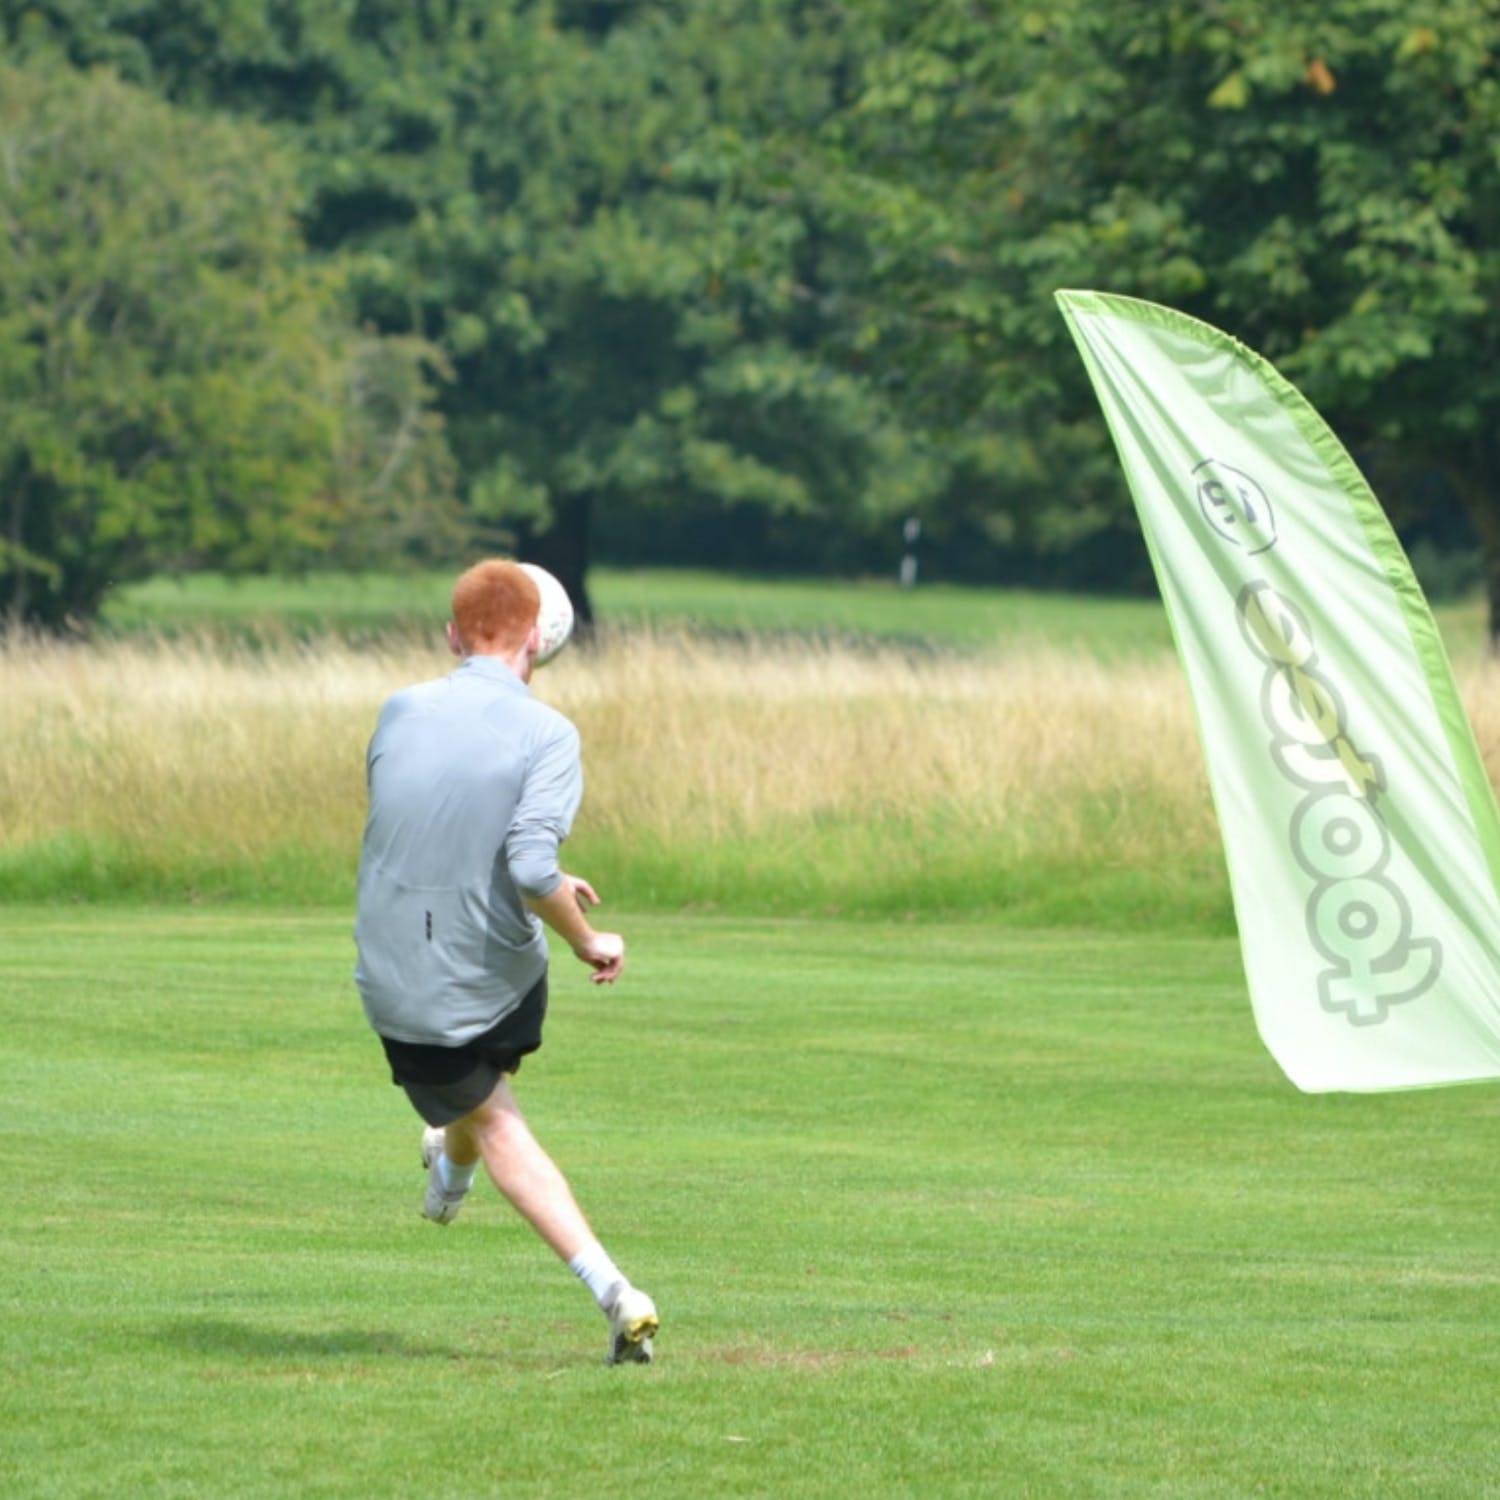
<point>1319,181</point>
<point>743,285</point>
<point>180,383</point>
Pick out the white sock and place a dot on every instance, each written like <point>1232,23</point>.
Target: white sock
<point>455,1179</point>
<point>593,1267</point>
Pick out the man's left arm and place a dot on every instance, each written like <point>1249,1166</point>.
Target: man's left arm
<point>565,910</point>
<point>544,818</point>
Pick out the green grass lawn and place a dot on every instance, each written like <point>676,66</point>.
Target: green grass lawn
<point>665,599</point>
<point>928,1209</point>
<point>932,614</point>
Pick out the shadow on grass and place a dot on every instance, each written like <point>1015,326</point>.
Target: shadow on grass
<point>255,1341</point>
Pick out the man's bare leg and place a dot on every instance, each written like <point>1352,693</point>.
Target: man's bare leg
<point>498,1134</point>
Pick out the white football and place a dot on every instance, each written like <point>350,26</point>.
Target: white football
<point>556,618</point>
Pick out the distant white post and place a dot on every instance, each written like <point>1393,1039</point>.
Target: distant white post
<point>911,531</point>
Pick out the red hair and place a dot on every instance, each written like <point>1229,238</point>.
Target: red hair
<point>495,603</point>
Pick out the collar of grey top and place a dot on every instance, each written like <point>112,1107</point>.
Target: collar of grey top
<point>495,670</point>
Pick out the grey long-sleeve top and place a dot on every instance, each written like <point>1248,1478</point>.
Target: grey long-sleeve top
<point>473,784</point>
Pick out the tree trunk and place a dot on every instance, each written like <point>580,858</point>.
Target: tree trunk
<point>563,550</point>
<point>1492,597</point>
<point>20,580</point>
<point>1474,485</point>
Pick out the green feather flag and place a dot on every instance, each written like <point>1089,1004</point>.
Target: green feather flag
<point>1359,826</point>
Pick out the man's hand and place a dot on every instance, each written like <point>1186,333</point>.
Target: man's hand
<point>605,954</point>
<point>564,911</point>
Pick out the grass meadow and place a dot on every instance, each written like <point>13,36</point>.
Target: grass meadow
<point>929,1210</point>
<point>1033,761</point>
<point>773,777</point>
<point>930,1109</point>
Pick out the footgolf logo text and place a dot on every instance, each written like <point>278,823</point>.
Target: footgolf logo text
<point>1358,918</point>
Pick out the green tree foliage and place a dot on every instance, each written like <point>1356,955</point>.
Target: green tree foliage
<point>175,377</point>
<point>800,256</point>
<point>1321,181</point>
<point>583,216</point>
<point>592,209</point>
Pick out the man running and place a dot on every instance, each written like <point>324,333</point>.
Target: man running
<point>473,785</point>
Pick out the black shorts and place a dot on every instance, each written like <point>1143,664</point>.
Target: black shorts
<point>446,1083</point>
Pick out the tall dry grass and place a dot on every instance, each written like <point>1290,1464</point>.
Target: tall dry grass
<point>187,741</point>
<point>714,770</point>
<point>690,739</point>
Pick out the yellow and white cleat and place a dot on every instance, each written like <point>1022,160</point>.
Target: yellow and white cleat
<point>633,1324</point>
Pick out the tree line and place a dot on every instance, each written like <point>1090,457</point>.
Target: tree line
<point>288,283</point>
